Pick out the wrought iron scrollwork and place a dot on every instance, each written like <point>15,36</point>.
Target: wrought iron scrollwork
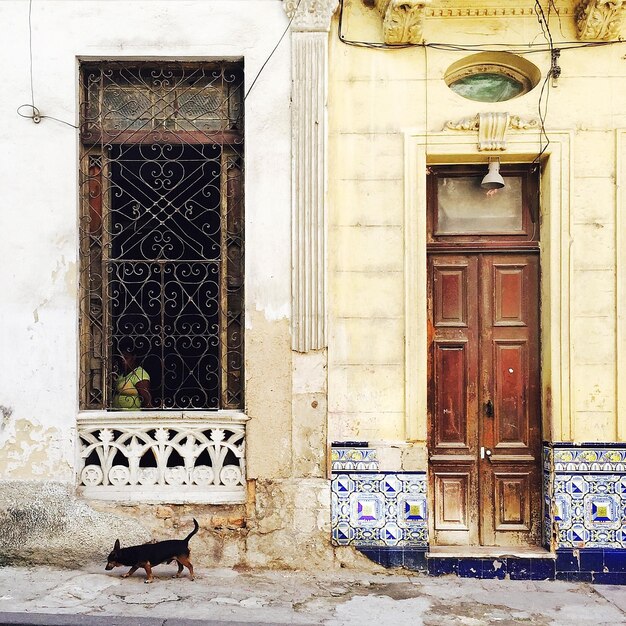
<point>162,232</point>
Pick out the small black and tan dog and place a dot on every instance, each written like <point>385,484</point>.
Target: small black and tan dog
<point>148,555</point>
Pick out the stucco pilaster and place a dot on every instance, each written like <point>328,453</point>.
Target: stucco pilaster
<point>309,39</point>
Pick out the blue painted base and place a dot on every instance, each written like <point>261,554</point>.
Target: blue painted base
<point>601,566</point>
<point>396,557</point>
<point>510,568</point>
<point>594,565</point>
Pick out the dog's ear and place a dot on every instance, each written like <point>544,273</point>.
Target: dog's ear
<point>116,547</point>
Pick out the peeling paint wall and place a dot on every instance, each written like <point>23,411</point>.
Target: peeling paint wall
<point>38,259</point>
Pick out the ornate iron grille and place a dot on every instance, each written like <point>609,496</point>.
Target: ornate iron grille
<point>161,232</point>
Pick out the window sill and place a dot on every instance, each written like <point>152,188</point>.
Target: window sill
<point>172,457</point>
<point>99,417</point>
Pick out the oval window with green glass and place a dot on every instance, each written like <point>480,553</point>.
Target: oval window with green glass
<point>492,77</point>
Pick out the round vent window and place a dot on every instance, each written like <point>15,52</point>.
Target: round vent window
<point>492,76</point>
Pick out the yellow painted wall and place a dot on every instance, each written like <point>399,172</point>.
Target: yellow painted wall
<point>375,96</point>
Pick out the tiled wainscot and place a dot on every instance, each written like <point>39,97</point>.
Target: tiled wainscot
<point>382,514</point>
<point>385,516</point>
<point>585,510</point>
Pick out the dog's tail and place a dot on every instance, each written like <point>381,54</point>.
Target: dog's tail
<point>196,526</point>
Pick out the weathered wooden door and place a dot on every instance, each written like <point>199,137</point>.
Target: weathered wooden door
<point>484,393</point>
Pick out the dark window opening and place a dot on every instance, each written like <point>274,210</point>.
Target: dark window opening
<point>162,237</point>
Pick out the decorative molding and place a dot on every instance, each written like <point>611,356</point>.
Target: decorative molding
<point>492,128</point>
<point>600,19</point>
<point>309,52</point>
<point>309,60</point>
<point>519,9</point>
<point>403,20</point>
<point>310,15</point>
<point>620,279</point>
<point>147,459</point>
<point>483,8</point>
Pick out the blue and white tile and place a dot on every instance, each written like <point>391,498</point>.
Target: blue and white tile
<point>587,459</point>
<point>588,506</point>
<point>379,509</point>
<point>354,459</point>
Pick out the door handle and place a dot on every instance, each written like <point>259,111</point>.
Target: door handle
<point>489,408</point>
<point>485,452</point>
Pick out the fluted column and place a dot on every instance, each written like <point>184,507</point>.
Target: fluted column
<point>309,41</point>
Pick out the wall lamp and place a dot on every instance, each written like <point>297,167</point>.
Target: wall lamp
<point>493,178</point>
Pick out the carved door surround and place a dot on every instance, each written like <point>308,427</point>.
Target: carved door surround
<point>484,442</point>
<point>423,149</point>
<point>492,128</point>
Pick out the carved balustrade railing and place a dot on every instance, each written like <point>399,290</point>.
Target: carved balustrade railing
<point>182,458</point>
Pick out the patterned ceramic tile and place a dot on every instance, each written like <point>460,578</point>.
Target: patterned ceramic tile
<point>353,459</point>
<point>379,509</point>
<point>587,497</point>
<point>547,458</point>
<point>595,460</point>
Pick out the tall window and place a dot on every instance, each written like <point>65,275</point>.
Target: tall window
<point>162,234</point>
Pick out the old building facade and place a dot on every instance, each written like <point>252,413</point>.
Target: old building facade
<point>355,343</point>
<point>480,359</point>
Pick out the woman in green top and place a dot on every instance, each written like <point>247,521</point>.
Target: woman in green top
<point>132,388</point>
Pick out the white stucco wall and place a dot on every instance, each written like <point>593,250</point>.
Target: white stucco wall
<point>39,198</point>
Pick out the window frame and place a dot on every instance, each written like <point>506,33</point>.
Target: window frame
<point>95,335</point>
<point>528,236</point>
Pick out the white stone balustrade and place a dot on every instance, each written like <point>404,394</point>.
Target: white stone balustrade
<point>182,457</point>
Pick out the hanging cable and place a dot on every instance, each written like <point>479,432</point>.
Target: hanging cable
<point>553,72</point>
<point>35,114</point>
<point>295,11</point>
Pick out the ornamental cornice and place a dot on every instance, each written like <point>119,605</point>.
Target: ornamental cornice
<point>492,128</point>
<point>403,20</point>
<point>492,8</point>
<point>600,19</point>
<point>310,15</point>
<point>473,8</point>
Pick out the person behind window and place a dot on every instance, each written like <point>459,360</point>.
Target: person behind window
<point>132,385</point>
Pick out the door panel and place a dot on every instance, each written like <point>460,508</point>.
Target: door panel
<point>453,358</point>
<point>451,295</point>
<point>455,518</point>
<point>510,486</point>
<point>512,501</point>
<point>484,394</point>
<point>450,363</point>
<point>510,419</point>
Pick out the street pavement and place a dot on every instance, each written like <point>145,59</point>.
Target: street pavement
<point>92,597</point>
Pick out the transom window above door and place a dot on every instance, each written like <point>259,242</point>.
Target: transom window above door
<point>461,210</point>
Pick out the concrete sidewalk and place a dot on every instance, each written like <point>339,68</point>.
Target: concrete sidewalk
<point>91,596</point>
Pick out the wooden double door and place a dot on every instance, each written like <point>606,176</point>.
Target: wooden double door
<point>484,397</point>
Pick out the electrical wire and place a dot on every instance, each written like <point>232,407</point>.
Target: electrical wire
<point>35,114</point>
<point>274,50</point>
<point>30,50</point>
<point>545,87</point>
